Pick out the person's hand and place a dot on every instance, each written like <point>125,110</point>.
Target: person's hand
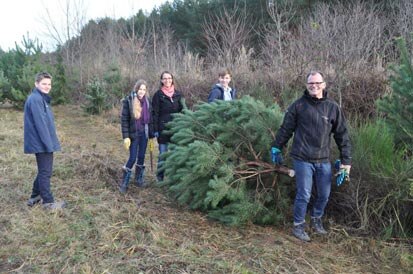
<point>342,172</point>
<point>346,168</point>
<point>126,143</point>
<point>156,134</point>
<point>276,156</point>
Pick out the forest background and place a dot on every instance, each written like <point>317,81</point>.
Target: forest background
<point>363,48</point>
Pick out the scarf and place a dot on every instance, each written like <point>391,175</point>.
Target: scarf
<point>145,110</point>
<point>168,91</point>
<point>144,120</point>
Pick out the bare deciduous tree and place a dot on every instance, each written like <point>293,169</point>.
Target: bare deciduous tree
<point>345,41</point>
<point>225,34</point>
<point>277,38</point>
<point>61,32</point>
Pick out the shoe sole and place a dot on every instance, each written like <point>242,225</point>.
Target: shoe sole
<point>54,206</point>
<point>303,240</point>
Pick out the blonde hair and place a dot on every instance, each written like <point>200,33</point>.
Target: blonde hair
<point>137,109</point>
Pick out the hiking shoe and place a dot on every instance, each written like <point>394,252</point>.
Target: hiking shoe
<point>299,232</point>
<point>123,189</point>
<point>317,226</point>
<point>55,205</point>
<point>33,201</point>
<point>142,185</point>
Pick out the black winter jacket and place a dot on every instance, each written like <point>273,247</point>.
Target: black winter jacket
<point>128,122</point>
<point>313,121</point>
<point>162,109</point>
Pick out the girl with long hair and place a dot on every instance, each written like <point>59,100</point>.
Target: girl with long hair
<point>136,124</point>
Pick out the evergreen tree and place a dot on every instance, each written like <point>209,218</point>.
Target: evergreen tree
<point>114,84</point>
<point>19,66</point>
<point>219,161</point>
<point>398,105</point>
<point>96,97</point>
<point>4,86</point>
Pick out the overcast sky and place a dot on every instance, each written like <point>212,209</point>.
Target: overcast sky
<point>28,17</point>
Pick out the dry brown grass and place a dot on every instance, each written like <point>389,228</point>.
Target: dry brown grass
<point>103,231</point>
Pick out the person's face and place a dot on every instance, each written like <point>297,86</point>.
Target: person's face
<point>45,85</point>
<point>141,91</point>
<point>167,80</point>
<point>316,85</point>
<point>224,80</point>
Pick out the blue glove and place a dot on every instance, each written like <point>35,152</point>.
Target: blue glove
<point>156,134</point>
<point>341,173</point>
<point>276,156</point>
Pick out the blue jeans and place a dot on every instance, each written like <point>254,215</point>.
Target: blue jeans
<point>137,150</point>
<point>162,149</point>
<point>41,185</point>
<point>306,173</point>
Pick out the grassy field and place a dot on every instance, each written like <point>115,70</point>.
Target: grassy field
<point>103,231</point>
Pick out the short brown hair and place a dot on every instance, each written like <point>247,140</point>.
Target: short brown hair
<point>224,72</point>
<point>41,75</point>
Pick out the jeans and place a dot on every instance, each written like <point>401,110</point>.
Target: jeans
<point>137,149</point>
<point>41,185</point>
<point>306,173</point>
<point>162,149</point>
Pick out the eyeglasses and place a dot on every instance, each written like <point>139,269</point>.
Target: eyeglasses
<point>314,83</point>
<point>169,78</point>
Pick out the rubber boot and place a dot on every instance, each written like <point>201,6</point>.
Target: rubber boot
<point>139,173</point>
<point>159,176</point>
<point>125,182</point>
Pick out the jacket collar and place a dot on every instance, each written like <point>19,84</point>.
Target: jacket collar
<point>314,99</point>
<point>45,96</point>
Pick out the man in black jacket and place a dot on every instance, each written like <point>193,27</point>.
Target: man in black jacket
<point>312,119</point>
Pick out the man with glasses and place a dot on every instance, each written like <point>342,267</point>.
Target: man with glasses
<point>312,119</point>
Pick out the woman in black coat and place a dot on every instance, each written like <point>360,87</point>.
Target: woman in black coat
<point>165,102</point>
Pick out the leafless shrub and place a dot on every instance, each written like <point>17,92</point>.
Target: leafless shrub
<point>344,41</point>
<point>133,51</point>
<point>225,33</point>
<point>227,36</point>
<point>276,52</point>
<point>190,77</point>
<point>402,20</point>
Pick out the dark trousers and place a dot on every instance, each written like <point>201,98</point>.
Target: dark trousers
<point>41,185</point>
<point>137,149</point>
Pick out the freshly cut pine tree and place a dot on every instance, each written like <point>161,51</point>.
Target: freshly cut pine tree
<point>219,162</point>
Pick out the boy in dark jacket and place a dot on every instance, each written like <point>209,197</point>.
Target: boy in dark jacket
<point>40,138</point>
<point>222,90</point>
